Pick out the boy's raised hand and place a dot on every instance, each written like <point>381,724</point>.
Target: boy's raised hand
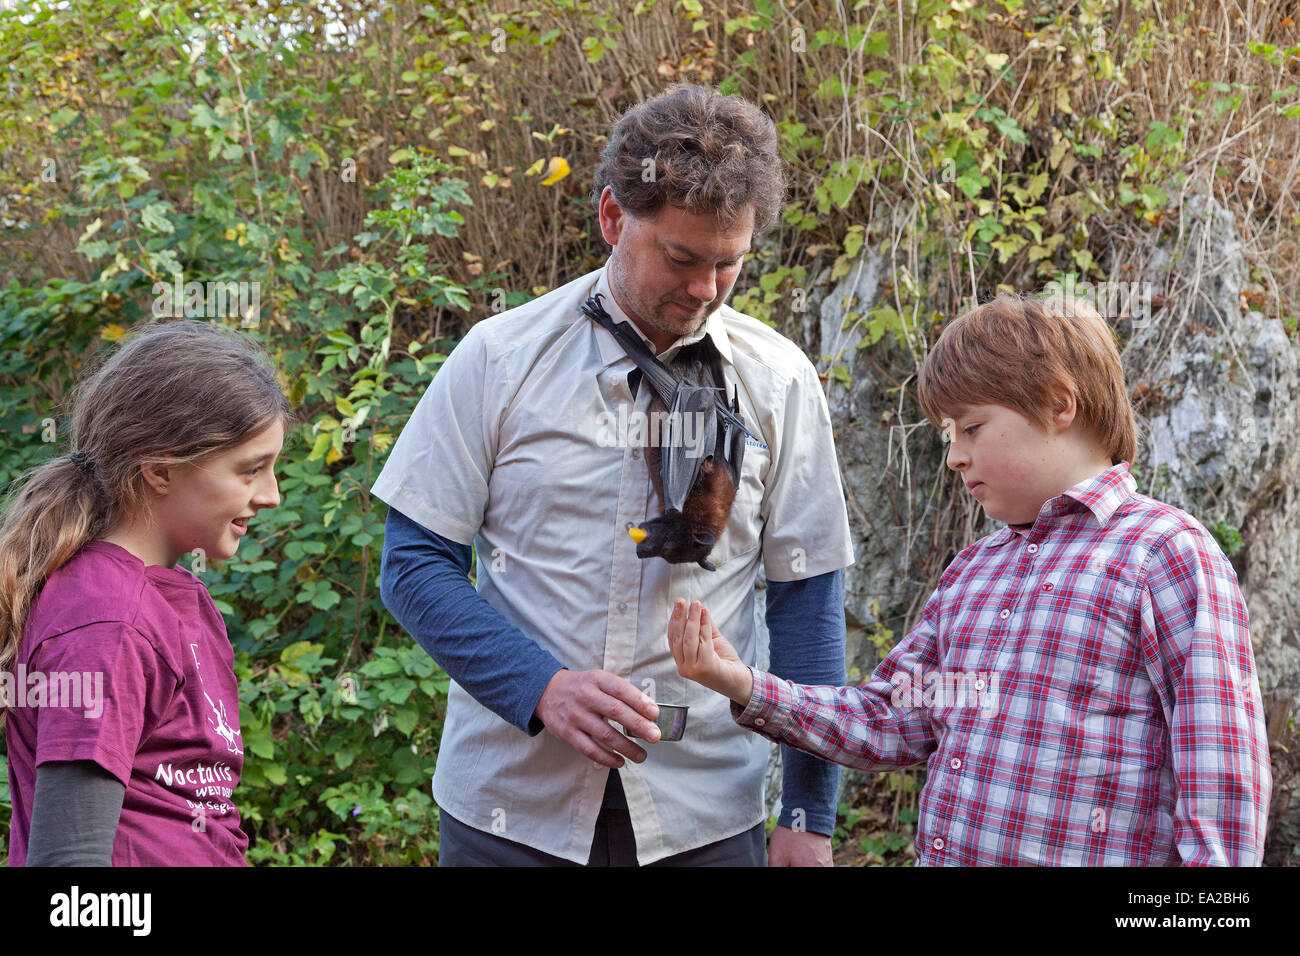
<point>703,654</point>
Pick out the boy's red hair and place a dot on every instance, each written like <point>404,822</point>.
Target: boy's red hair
<point>1017,352</point>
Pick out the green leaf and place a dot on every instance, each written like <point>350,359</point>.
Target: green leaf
<point>971,182</point>
<point>405,718</point>
<point>325,598</point>
<point>154,217</point>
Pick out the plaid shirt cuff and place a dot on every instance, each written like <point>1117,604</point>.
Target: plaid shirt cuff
<point>770,705</point>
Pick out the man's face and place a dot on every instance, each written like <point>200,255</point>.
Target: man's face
<point>1009,465</point>
<point>671,272</point>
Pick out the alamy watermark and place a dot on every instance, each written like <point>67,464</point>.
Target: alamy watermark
<point>209,300</point>
<point>635,429</point>
<point>23,688</point>
<point>1111,300</point>
<point>974,689</point>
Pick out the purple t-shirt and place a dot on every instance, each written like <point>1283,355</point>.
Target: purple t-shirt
<point>129,666</point>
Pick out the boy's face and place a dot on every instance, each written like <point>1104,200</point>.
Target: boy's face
<point>1009,465</point>
<point>672,272</point>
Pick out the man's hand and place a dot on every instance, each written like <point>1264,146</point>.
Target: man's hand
<point>575,705</point>
<point>703,654</point>
<point>798,848</point>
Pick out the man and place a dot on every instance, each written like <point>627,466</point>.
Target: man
<point>508,449</point>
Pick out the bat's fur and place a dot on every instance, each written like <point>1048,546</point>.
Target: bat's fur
<point>689,535</point>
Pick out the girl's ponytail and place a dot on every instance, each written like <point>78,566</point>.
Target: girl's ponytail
<point>60,507</point>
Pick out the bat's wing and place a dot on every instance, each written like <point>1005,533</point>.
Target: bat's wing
<point>731,427</point>
<point>723,432</point>
<point>690,435</point>
<point>731,435</point>
<point>661,380</point>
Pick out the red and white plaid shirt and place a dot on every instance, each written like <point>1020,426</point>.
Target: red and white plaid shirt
<point>1082,691</point>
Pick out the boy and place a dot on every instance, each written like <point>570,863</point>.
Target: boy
<point>1081,684</point>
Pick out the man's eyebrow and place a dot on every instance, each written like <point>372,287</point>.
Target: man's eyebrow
<point>678,247</point>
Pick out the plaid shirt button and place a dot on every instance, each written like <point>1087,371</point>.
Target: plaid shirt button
<point>938,843</point>
<point>955,764</point>
<point>759,722</point>
<point>1004,614</point>
<point>1032,549</point>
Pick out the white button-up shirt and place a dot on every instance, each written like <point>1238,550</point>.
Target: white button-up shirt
<point>510,448</point>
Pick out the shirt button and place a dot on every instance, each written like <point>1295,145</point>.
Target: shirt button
<point>622,605</point>
<point>979,683</point>
<point>938,843</point>
<point>1004,614</point>
<point>759,722</point>
<point>636,452</point>
<point>1047,586</point>
<point>1032,549</point>
<point>955,764</point>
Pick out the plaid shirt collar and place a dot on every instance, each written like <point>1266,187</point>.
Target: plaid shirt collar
<point>1101,494</point>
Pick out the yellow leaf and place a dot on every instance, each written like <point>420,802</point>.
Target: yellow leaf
<point>487,124</point>
<point>323,441</point>
<point>535,168</point>
<point>996,60</point>
<point>332,456</point>
<point>112,333</point>
<point>558,169</point>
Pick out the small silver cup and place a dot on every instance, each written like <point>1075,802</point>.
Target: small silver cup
<point>671,722</point>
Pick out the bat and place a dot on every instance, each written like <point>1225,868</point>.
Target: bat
<point>696,480</point>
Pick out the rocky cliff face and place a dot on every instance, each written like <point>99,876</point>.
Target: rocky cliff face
<point>1216,386</point>
<point>1220,421</point>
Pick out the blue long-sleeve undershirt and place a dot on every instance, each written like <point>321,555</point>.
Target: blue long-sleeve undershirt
<point>425,585</point>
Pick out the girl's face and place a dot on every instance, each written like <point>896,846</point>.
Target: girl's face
<point>208,503</point>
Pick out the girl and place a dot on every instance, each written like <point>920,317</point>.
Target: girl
<point>116,675</point>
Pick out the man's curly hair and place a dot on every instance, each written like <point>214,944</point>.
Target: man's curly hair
<point>698,150</point>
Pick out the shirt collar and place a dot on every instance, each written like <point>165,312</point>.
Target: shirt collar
<point>1101,495</point>
<point>611,351</point>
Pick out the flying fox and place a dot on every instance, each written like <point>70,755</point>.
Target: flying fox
<point>695,478</point>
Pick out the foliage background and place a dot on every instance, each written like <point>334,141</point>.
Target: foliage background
<point>392,172</point>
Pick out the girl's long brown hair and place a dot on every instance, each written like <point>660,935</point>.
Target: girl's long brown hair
<point>173,393</point>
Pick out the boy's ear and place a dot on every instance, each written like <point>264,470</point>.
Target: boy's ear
<point>1064,408</point>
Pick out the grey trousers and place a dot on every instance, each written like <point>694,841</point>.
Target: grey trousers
<point>614,844</point>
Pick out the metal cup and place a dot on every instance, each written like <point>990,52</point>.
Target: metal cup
<point>671,722</point>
